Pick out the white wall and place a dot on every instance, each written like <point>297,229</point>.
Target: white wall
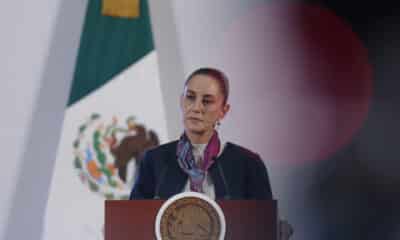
<point>170,61</point>
<point>38,47</point>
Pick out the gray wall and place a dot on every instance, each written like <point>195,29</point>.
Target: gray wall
<point>38,45</point>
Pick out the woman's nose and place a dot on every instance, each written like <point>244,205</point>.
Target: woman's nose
<point>198,106</point>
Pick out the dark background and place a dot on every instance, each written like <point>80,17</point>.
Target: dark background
<point>356,191</point>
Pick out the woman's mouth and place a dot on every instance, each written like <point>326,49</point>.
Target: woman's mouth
<point>194,119</point>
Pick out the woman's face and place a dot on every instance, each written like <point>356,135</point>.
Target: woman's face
<point>202,104</point>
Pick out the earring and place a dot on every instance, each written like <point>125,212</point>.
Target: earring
<point>217,124</point>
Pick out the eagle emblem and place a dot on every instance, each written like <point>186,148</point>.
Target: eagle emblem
<point>107,155</point>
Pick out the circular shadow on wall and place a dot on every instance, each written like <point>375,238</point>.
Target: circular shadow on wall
<point>301,80</point>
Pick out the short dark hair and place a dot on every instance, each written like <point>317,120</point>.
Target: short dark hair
<point>218,75</point>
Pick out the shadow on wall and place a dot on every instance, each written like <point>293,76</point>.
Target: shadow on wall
<point>30,198</point>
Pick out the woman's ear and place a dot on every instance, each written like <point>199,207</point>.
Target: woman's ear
<point>225,110</point>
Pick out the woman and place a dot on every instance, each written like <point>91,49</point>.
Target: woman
<point>199,161</point>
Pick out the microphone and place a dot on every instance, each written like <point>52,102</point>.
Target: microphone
<point>157,191</point>
<point>227,195</point>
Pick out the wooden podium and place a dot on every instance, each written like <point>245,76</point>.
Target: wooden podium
<point>245,219</point>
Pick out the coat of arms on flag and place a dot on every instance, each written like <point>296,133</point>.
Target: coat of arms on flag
<point>107,154</point>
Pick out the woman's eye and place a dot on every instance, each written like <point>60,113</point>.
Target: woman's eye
<point>206,102</point>
<point>190,97</point>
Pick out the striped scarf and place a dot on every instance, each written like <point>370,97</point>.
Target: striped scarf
<point>197,172</point>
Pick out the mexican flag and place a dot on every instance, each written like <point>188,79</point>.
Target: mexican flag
<point>115,112</point>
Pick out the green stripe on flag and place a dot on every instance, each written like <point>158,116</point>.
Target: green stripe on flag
<point>108,46</point>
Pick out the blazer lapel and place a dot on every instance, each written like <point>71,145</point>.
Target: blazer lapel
<point>217,180</point>
<point>175,179</point>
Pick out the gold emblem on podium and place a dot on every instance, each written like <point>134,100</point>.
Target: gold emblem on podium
<point>190,216</point>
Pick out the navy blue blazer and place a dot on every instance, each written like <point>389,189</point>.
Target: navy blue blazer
<point>237,173</point>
